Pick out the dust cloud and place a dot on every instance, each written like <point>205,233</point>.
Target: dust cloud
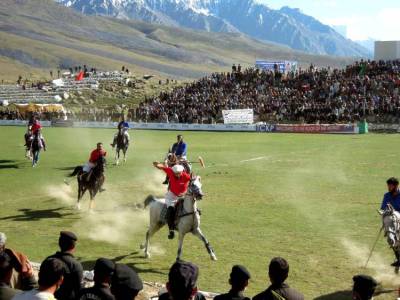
<point>62,192</point>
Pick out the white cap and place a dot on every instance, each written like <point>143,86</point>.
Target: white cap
<point>178,169</point>
<point>3,239</point>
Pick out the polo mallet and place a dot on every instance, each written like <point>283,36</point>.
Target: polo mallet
<point>373,247</point>
<point>200,161</point>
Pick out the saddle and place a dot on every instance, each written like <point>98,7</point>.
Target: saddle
<point>179,211</point>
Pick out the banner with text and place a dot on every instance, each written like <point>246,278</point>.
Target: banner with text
<point>238,116</point>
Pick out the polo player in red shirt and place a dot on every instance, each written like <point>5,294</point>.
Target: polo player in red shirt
<point>178,186</point>
<point>94,157</point>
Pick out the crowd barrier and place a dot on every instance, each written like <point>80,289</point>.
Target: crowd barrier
<point>284,128</point>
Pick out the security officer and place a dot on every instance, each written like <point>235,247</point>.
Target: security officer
<point>125,284</point>
<point>73,272</point>
<point>239,280</point>
<point>103,272</point>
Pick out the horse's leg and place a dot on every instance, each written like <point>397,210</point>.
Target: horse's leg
<point>180,244</point>
<point>125,151</point>
<point>117,155</point>
<point>197,232</point>
<point>91,203</point>
<point>150,232</point>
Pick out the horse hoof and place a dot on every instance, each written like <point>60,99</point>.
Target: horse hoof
<point>213,257</point>
<point>147,255</point>
<point>78,207</point>
<point>142,247</point>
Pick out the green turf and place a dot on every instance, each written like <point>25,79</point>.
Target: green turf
<point>311,199</point>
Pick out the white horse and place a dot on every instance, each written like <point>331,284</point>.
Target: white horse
<point>391,226</point>
<point>188,218</point>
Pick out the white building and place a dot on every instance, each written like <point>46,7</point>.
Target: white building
<point>387,50</point>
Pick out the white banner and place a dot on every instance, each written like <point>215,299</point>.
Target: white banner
<point>238,116</point>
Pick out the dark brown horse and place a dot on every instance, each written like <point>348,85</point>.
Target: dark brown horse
<point>92,181</point>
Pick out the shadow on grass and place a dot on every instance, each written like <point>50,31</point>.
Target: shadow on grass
<point>36,215</point>
<point>89,265</point>
<point>8,164</point>
<point>66,168</point>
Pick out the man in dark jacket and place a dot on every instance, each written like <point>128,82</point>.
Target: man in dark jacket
<point>239,280</point>
<point>73,272</point>
<point>103,272</point>
<point>364,287</point>
<point>6,269</point>
<point>279,290</point>
<point>125,284</point>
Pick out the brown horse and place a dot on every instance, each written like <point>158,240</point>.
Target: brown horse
<point>92,181</point>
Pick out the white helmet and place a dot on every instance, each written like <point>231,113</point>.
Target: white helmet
<point>178,169</point>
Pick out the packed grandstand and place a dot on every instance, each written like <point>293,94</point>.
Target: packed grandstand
<point>366,89</point>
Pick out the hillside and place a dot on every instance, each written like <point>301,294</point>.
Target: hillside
<point>39,35</point>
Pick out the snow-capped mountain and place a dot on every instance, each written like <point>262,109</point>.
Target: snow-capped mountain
<point>286,26</point>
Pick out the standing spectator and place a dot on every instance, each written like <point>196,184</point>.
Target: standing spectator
<point>364,287</point>
<point>23,277</point>
<point>278,273</point>
<point>6,269</point>
<point>103,271</point>
<point>182,282</point>
<point>50,279</point>
<point>73,269</point>
<point>125,283</point>
<point>239,280</point>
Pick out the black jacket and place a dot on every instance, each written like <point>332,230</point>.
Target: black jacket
<point>282,290</point>
<point>97,292</point>
<point>72,277</point>
<point>231,296</point>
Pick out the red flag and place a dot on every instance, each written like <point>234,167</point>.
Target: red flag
<point>79,76</point>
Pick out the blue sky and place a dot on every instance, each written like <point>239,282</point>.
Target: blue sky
<point>377,19</point>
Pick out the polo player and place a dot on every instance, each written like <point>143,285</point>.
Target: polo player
<point>178,186</point>
<point>95,155</point>
<point>392,197</point>
<point>179,148</point>
<point>123,127</point>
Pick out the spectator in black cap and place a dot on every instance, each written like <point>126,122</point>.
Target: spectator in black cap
<point>73,273</point>
<point>103,272</point>
<point>278,273</point>
<point>364,287</point>
<point>6,269</point>
<point>125,283</point>
<point>50,279</point>
<point>182,282</point>
<point>239,280</point>
<point>392,198</point>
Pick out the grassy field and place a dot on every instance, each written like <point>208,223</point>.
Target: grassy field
<point>309,198</point>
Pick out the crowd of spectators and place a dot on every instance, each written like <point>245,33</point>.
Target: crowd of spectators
<point>61,277</point>
<point>365,89</point>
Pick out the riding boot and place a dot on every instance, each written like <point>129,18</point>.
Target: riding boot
<point>397,261</point>
<point>171,222</point>
<point>166,181</point>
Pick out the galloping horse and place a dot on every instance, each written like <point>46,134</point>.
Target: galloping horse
<point>188,218</point>
<point>91,181</point>
<point>122,143</point>
<point>391,226</point>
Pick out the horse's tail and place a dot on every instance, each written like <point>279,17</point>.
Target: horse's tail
<point>149,199</point>
<point>77,170</point>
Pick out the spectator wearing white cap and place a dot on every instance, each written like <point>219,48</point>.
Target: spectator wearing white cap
<point>178,186</point>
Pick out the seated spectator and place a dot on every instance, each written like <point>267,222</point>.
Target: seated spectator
<point>50,279</point>
<point>6,269</point>
<point>364,287</point>
<point>103,271</point>
<point>182,282</point>
<point>125,283</point>
<point>239,280</point>
<point>278,290</point>
<point>73,272</point>
<point>23,277</point>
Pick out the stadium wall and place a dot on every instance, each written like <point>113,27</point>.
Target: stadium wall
<point>289,128</point>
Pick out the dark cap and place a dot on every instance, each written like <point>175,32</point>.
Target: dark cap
<point>183,274</point>
<point>364,285</point>
<point>125,278</point>
<point>392,180</point>
<point>104,266</point>
<point>68,235</point>
<point>240,273</point>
